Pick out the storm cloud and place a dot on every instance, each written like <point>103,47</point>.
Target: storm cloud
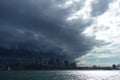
<point>41,26</point>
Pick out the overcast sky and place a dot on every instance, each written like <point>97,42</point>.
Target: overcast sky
<point>85,30</point>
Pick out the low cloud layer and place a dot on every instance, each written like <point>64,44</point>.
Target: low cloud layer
<point>49,27</point>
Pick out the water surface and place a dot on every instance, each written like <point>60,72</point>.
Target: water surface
<point>61,75</point>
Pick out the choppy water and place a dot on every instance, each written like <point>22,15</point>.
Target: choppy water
<point>60,75</point>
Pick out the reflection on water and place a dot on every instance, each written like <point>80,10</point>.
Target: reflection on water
<point>60,75</point>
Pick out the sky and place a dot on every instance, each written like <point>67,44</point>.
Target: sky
<point>86,31</point>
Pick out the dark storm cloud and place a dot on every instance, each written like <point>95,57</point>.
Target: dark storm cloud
<point>40,26</point>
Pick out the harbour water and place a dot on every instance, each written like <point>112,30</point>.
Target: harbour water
<point>61,75</point>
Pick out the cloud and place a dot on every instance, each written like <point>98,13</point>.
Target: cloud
<point>41,26</point>
<point>101,55</point>
<point>64,28</point>
<point>105,29</point>
<point>99,7</point>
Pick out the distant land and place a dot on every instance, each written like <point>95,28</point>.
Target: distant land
<point>49,63</point>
